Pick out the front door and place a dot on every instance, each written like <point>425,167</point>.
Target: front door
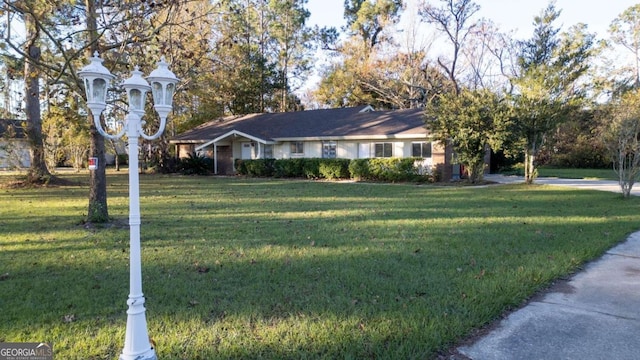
<point>247,150</point>
<point>225,160</point>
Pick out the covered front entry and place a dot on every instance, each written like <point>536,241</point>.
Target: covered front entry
<point>233,145</point>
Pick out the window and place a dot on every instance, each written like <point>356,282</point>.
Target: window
<point>383,150</point>
<point>268,151</point>
<point>329,150</point>
<point>421,149</point>
<point>297,147</point>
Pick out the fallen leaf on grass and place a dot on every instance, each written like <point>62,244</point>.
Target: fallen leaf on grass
<point>203,269</point>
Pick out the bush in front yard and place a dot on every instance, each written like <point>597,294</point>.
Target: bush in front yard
<point>260,167</point>
<point>388,169</point>
<point>240,166</point>
<point>334,168</point>
<point>195,164</point>
<point>311,168</point>
<point>359,169</point>
<point>378,169</point>
<point>288,168</point>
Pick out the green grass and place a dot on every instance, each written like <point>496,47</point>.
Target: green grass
<point>569,173</point>
<point>274,269</point>
<point>600,174</point>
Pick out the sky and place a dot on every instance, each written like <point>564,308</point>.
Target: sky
<point>507,14</point>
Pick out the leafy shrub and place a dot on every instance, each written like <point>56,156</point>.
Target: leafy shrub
<point>359,169</point>
<point>311,168</point>
<point>379,168</point>
<point>195,164</point>
<point>393,169</point>
<point>334,168</point>
<point>438,173</point>
<point>169,165</point>
<point>387,169</point>
<point>584,155</point>
<point>240,166</point>
<point>259,167</point>
<point>289,168</point>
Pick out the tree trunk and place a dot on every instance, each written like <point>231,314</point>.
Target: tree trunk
<point>97,212</point>
<point>475,172</point>
<point>530,172</point>
<point>38,171</point>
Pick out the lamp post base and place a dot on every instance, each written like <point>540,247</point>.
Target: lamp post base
<point>137,345</point>
<point>149,355</point>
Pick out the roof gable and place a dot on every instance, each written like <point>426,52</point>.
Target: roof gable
<point>325,123</point>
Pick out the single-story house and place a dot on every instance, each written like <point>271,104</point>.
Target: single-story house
<point>14,147</point>
<point>350,133</point>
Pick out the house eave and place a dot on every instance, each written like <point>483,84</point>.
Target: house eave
<point>353,137</point>
<point>233,133</point>
<point>174,141</point>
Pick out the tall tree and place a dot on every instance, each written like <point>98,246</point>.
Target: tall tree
<point>31,12</point>
<point>243,78</point>
<point>367,20</point>
<point>625,31</point>
<point>80,28</point>
<point>344,83</point>
<point>402,75</point>
<point>292,43</point>
<point>452,18</point>
<point>472,121</point>
<point>261,52</point>
<point>547,88</point>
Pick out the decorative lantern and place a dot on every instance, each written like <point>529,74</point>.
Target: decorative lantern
<point>163,85</point>
<point>137,88</point>
<point>96,79</point>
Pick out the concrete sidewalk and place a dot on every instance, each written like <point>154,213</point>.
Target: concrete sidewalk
<point>594,315</point>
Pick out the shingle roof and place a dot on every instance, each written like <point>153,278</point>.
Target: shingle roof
<point>344,122</point>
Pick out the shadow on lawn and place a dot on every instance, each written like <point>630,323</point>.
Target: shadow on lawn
<point>289,271</point>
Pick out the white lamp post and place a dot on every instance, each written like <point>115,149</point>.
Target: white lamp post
<point>96,81</point>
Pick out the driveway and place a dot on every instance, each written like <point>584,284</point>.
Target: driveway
<point>603,185</point>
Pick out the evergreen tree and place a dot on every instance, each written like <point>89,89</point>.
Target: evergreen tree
<point>547,89</point>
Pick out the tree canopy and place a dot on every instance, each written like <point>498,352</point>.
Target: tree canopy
<point>244,56</point>
<point>547,89</point>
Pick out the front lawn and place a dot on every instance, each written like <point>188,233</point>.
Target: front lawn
<point>569,173</point>
<point>280,269</point>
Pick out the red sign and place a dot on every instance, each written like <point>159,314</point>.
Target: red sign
<point>93,163</point>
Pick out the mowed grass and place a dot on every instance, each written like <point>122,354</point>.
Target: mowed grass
<point>280,269</point>
<point>599,174</point>
<point>570,173</point>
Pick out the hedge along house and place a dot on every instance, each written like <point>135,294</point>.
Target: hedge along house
<point>348,133</point>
